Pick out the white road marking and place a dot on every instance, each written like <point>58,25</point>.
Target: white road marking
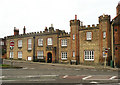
<point>65,76</point>
<point>113,77</point>
<point>2,76</point>
<point>93,82</point>
<point>25,68</point>
<point>86,77</point>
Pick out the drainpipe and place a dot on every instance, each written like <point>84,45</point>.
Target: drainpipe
<point>34,49</point>
<point>112,42</point>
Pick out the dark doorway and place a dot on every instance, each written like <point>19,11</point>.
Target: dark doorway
<point>49,57</point>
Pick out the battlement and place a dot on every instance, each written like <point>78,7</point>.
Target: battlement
<point>45,32</point>
<point>104,17</point>
<point>89,26</point>
<point>64,34</point>
<point>74,22</point>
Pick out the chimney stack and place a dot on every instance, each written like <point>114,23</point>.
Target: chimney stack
<point>46,30</point>
<point>24,30</point>
<point>51,25</point>
<point>75,17</point>
<point>16,31</point>
<point>118,8</point>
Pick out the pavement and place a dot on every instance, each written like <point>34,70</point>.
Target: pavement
<point>79,66</point>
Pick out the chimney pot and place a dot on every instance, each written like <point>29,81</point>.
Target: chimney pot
<point>16,31</point>
<point>24,30</point>
<point>88,25</point>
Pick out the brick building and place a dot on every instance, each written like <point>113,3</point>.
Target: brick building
<point>116,37</point>
<point>83,45</point>
<point>3,47</point>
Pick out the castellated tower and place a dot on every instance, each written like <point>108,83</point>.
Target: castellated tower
<point>74,39</point>
<point>105,39</point>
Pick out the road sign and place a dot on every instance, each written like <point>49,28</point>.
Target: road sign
<point>104,54</point>
<point>11,44</point>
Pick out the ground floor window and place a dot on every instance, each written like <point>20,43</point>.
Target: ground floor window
<point>11,55</point>
<point>64,55</point>
<point>39,54</point>
<point>73,54</point>
<point>20,54</point>
<point>89,55</point>
<point>29,58</point>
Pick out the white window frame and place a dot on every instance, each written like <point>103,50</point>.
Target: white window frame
<point>19,43</point>
<point>49,41</point>
<point>73,54</point>
<point>88,35</point>
<point>40,54</point>
<point>89,55</point>
<point>73,36</point>
<point>11,54</point>
<point>63,55</point>
<point>29,58</point>
<point>1,43</point>
<point>19,54</point>
<point>30,44</point>
<point>64,42</point>
<point>104,35</point>
<point>40,42</point>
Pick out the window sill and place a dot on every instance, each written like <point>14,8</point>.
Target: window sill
<point>64,59</point>
<point>19,58</point>
<point>40,57</point>
<point>40,46</point>
<point>88,40</point>
<point>29,49</point>
<point>89,59</point>
<point>64,46</point>
<point>49,45</point>
<point>19,47</point>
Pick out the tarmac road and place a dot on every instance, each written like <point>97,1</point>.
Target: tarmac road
<point>36,72</point>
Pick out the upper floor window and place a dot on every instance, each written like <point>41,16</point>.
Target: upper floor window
<point>20,54</point>
<point>40,42</point>
<point>29,44</point>
<point>104,35</point>
<point>89,55</point>
<point>73,37</point>
<point>89,35</point>
<point>1,43</point>
<point>64,55</point>
<point>11,54</point>
<point>49,41</point>
<point>39,54</point>
<point>73,53</point>
<point>19,43</point>
<point>64,42</point>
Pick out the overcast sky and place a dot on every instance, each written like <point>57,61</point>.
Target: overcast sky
<point>37,14</point>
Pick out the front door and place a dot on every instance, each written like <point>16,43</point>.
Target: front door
<point>49,57</point>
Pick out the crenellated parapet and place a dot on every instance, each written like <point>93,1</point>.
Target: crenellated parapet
<point>74,22</point>
<point>64,34</point>
<point>89,26</point>
<point>104,18</point>
<point>40,33</point>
